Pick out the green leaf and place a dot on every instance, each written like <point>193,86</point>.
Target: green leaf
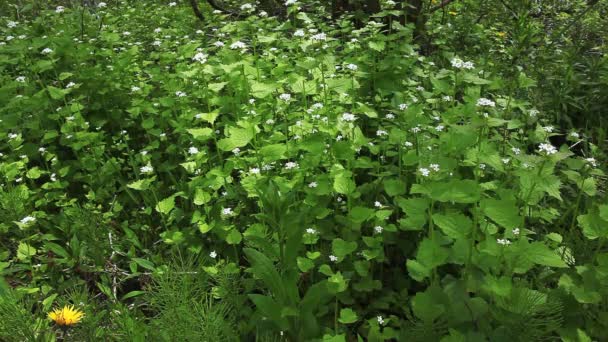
<point>305,264</point>
<point>201,133</point>
<point>238,137</point>
<point>394,187</point>
<point>540,254</point>
<point>457,191</point>
<point>426,305</point>
<point>431,254</point>
<point>377,45</point>
<point>166,205</point>
<point>201,197</point>
<point>56,93</point>
<point>273,152</point>
<point>343,184</point>
<point>361,214</point>
<point>142,184</point>
<point>25,251</point>
<point>342,248</point>
<point>454,225</point>
<point>503,212</point>
<point>144,263</point>
<point>234,237</point>
<point>347,316</point>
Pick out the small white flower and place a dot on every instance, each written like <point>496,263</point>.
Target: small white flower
<point>547,149</point>
<point>254,171</point>
<point>285,97</point>
<point>311,231</point>
<point>193,150</point>
<point>47,51</point>
<point>482,166</point>
<point>408,144</point>
<point>290,2</point>
<point>247,7</point>
<point>59,9</point>
<point>533,112</point>
<point>291,165</point>
<point>227,211</point>
<point>238,45</point>
<point>515,150</point>
<point>41,149</point>
<point>312,184</point>
<point>548,129</point>
<point>415,129</point>
<point>403,106</point>
<point>20,79</point>
<point>218,44</point>
<point>200,57</point>
<point>349,117</point>
<point>13,136</point>
<point>515,231</point>
<point>70,85</point>
<point>319,37</point>
<point>435,167</point>
<point>352,67</point>
<point>591,161</point>
<point>299,33</point>
<point>377,204</point>
<point>213,254</point>
<point>447,98</point>
<point>504,242</point>
<point>172,4</point>
<point>380,319</point>
<point>146,169</point>
<point>270,122</point>
<point>575,135</point>
<point>381,133</point>
<point>236,151</point>
<point>180,94</point>
<point>378,229</point>
<point>28,220</point>
<point>424,171</point>
<point>333,258</point>
<point>439,128</point>
<point>135,89</point>
<point>390,116</point>
<point>12,24</point>
<point>126,33</point>
<point>102,5</point>
<point>483,102</point>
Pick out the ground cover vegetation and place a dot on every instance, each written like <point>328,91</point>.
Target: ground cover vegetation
<point>303,171</point>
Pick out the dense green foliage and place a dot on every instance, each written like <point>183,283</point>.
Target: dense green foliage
<point>302,177</point>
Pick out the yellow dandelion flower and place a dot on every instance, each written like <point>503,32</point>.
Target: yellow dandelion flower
<point>453,12</point>
<point>66,316</point>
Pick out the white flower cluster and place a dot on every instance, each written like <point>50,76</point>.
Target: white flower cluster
<point>247,7</point>
<point>319,37</point>
<point>28,220</point>
<point>483,102</point>
<point>349,117</point>
<point>238,45</point>
<point>425,172</point>
<point>504,242</point>
<point>200,57</point>
<point>146,169</point>
<point>460,64</point>
<point>547,149</point>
